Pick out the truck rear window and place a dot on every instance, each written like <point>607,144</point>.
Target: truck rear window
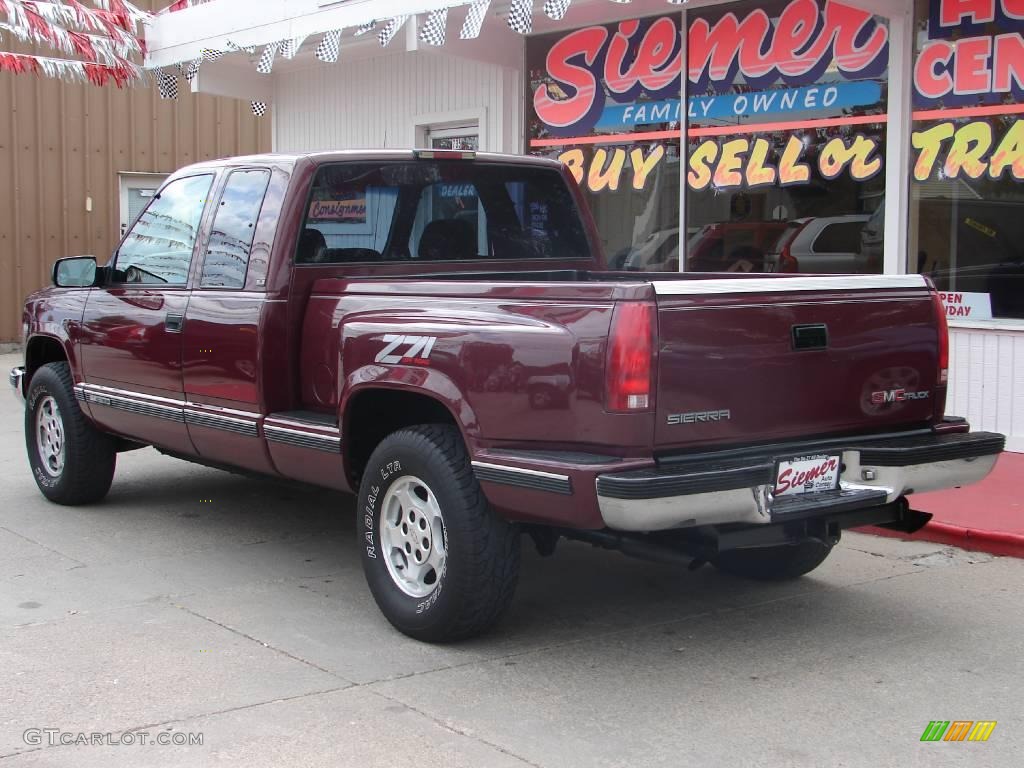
<point>439,210</point>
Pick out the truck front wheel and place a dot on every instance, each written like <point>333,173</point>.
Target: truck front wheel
<point>780,563</point>
<point>72,462</point>
<point>440,563</point>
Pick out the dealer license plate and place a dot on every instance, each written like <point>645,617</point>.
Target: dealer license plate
<point>807,474</point>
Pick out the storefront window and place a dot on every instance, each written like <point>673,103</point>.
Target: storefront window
<point>967,183</point>
<point>786,137</point>
<point>605,101</point>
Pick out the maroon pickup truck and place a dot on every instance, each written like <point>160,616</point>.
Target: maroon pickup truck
<point>435,332</point>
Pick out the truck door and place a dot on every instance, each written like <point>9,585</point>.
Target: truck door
<point>221,337</point>
<point>132,327</point>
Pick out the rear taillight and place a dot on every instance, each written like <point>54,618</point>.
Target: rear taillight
<point>943,329</point>
<point>787,261</point>
<point>630,366</point>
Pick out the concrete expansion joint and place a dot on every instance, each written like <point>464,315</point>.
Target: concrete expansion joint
<point>229,628</point>
<point>176,721</point>
<point>457,731</point>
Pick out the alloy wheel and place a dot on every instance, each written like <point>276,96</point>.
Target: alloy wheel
<point>412,536</point>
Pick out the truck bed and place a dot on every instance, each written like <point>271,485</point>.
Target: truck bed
<point>739,359</point>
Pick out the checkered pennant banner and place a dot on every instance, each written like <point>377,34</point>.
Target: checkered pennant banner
<point>167,84</point>
<point>250,49</point>
<point>432,32</point>
<point>362,29</point>
<point>474,20</point>
<point>192,69</point>
<point>520,16</point>
<point>259,108</point>
<point>390,29</point>
<point>266,62</point>
<point>209,54</point>
<point>555,9</point>
<point>328,48</point>
<point>291,47</point>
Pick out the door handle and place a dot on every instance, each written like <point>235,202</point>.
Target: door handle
<point>174,322</point>
<point>810,336</point>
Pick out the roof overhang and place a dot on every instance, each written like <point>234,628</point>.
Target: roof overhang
<point>174,38</point>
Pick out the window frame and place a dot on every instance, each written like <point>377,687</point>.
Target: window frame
<point>222,183</point>
<point>214,175</point>
<point>592,247</point>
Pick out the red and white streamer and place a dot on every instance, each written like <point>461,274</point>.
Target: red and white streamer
<point>88,46</point>
<point>104,37</point>
<point>46,20</point>
<point>69,69</point>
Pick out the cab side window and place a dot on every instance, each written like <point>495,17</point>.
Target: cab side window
<point>158,250</point>
<point>234,226</point>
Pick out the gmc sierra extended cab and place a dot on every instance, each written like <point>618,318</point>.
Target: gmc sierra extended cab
<point>436,332</point>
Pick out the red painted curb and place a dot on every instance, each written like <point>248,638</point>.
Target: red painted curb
<point>995,542</point>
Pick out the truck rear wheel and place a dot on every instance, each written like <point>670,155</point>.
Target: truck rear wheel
<point>789,561</point>
<point>72,462</point>
<point>440,563</point>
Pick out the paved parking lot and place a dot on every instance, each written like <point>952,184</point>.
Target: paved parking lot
<point>193,601</point>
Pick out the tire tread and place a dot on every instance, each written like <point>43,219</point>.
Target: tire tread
<point>90,455</point>
<point>491,557</point>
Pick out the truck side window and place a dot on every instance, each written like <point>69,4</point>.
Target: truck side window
<point>234,226</point>
<point>158,249</point>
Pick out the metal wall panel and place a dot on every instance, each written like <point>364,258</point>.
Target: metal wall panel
<point>62,143</point>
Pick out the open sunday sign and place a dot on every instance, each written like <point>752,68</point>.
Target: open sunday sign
<point>976,306</point>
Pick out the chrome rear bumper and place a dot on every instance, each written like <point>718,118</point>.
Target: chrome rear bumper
<point>16,378</point>
<point>739,490</point>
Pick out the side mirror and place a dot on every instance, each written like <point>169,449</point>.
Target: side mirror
<point>75,272</point>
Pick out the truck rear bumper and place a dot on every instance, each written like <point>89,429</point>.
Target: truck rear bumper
<point>16,378</point>
<point>726,489</point>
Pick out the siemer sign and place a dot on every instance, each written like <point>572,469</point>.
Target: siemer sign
<point>764,73</point>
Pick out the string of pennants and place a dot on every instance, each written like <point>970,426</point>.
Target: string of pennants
<point>105,38</point>
<point>431,32</point>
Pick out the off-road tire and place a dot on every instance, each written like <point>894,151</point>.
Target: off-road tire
<point>789,561</point>
<point>482,567</point>
<point>89,455</point>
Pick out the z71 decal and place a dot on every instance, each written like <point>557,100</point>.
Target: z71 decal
<point>414,350</point>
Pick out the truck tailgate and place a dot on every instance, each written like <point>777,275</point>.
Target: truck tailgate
<point>759,360</point>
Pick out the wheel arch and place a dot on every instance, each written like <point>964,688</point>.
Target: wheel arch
<point>372,412</point>
<point>41,349</point>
